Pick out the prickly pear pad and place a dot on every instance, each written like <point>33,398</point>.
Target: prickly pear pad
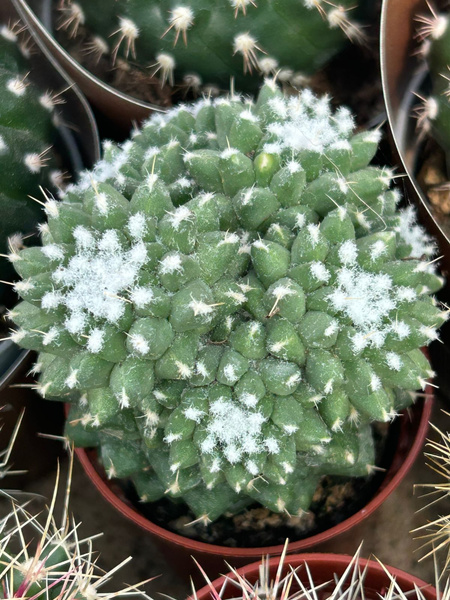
<point>228,309</point>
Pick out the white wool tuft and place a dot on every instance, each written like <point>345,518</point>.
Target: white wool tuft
<point>414,235</point>
<point>319,271</point>
<point>193,414</point>
<point>171,264</point>
<point>179,216</point>
<point>95,276</point>
<point>307,123</point>
<point>96,340</point>
<point>141,296</point>
<point>233,429</point>
<point>394,361</point>
<point>137,226</point>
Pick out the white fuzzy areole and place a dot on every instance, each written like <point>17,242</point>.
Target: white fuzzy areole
<point>234,430</point>
<point>93,279</point>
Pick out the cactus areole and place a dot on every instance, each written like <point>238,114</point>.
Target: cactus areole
<point>195,43</point>
<point>228,300</point>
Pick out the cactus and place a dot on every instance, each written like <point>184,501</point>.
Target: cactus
<point>197,43</point>
<point>231,297</point>
<point>40,559</point>
<point>26,137</point>
<point>296,576</point>
<point>434,111</point>
<point>435,534</point>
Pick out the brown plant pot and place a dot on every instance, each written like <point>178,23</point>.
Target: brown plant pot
<point>323,568</point>
<point>402,74</point>
<point>179,550</point>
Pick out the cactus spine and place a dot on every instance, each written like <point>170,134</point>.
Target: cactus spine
<point>231,297</point>
<point>199,42</point>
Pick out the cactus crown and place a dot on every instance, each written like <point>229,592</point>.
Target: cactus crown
<point>231,297</point>
<point>204,43</point>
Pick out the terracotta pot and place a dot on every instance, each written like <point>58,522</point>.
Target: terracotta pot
<point>402,75</point>
<point>120,108</point>
<point>323,567</point>
<point>179,549</point>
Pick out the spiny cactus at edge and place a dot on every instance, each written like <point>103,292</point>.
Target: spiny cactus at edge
<point>288,578</point>
<point>26,137</point>
<point>193,42</point>
<point>434,112</point>
<point>228,300</point>
<point>40,559</point>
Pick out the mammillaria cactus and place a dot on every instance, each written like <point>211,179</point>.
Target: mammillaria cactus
<point>207,43</point>
<point>228,300</point>
<point>26,137</point>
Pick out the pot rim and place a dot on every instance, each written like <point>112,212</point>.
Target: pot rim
<point>319,560</point>
<point>213,549</point>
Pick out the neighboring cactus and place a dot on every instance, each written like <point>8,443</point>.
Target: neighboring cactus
<point>434,112</point>
<point>195,43</point>
<point>228,300</point>
<point>40,560</point>
<point>435,534</point>
<point>26,136</point>
<point>337,577</point>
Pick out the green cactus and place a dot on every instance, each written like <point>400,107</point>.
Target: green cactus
<point>26,136</point>
<point>434,112</point>
<point>40,559</point>
<point>228,300</point>
<point>199,42</point>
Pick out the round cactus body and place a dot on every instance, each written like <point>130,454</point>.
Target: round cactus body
<point>26,137</point>
<point>210,42</point>
<point>228,300</point>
